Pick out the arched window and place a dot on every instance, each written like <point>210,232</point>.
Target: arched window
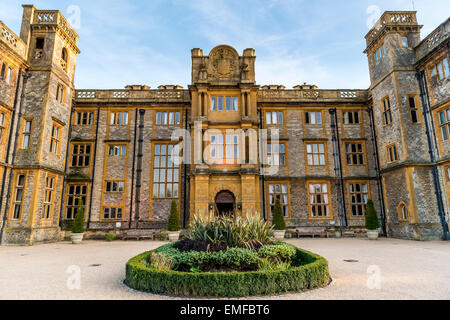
<point>64,58</point>
<point>403,212</point>
<point>3,72</point>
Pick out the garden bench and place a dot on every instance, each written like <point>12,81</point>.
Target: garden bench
<point>138,234</point>
<point>349,233</point>
<point>311,231</point>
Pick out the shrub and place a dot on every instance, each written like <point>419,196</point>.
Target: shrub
<point>273,265</point>
<point>174,218</point>
<point>162,236</point>
<point>312,273</point>
<point>110,237</point>
<point>372,222</point>
<point>278,218</point>
<point>236,232</point>
<point>283,252</point>
<point>78,223</point>
<point>233,258</point>
<point>160,261</point>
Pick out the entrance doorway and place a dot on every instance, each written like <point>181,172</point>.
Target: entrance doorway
<point>225,204</point>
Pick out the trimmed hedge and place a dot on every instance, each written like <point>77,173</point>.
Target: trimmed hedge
<point>312,273</point>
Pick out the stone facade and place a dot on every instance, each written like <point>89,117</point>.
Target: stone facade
<point>337,148</point>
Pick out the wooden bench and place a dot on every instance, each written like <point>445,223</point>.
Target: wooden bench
<point>311,231</point>
<point>138,234</point>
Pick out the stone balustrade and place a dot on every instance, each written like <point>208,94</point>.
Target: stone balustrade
<point>433,40</point>
<point>54,17</point>
<point>395,18</point>
<point>12,40</point>
<point>177,95</point>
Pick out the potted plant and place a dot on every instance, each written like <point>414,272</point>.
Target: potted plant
<point>78,224</point>
<point>174,225</point>
<point>278,223</point>
<point>372,223</point>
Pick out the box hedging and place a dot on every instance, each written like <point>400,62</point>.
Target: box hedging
<point>312,273</point>
<point>234,258</point>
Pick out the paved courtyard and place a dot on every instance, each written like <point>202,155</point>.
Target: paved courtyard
<point>407,269</point>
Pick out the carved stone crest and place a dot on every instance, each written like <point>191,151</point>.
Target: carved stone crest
<point>223,63</point>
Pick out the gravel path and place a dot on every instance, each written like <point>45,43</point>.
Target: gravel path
<point>406,269</point>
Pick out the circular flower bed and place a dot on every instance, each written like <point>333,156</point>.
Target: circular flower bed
<point>227,257</point>
<point>308,271</point>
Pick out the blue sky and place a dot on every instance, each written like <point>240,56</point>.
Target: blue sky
<point>148,42</point>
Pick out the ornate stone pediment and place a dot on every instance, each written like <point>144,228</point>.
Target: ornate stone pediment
<point>223,63</point>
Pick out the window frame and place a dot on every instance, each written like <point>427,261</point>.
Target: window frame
<point>119,118</point>
<point>392,146</point>
<point>269,120</point>
<point>285,205</point>
<point>359,205</point>
<point>214,105</point>
<point>282,154</point>
<point>308,119</point>
<point>444,123</point>
<point>360,154</point>
<point>116,213</point>
<point>75,197</point>
<point>318,153</point>
<point>165,169</point>
<point>386,111</point>
<point>159,120</point>
<point>55,141</point>
<point>412,110</point>
<point>312,205</point>
<point>81,155</point>
<point>20,203</point>
<point>80,117</point>
<point>346,118</point>
<point>117,146</point>
<point>48,205</point>
<point>120,186</point>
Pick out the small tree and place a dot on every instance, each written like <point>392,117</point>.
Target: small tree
<point>278,218</point>
<point>372,222</point>
<point>78,223</point>
<point>174,218</point>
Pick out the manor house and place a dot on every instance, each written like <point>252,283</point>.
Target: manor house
<point>224,145</point>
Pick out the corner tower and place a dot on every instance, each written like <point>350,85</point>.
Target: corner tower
<point>44,119</point>
<point>405,163</point>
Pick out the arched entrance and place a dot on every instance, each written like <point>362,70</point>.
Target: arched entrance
<point>225,203</point>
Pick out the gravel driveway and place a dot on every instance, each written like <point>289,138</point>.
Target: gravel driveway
<point>382,269</point>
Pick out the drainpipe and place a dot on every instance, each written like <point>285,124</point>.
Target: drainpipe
<point>8,148</point>
<point>69,140</point>
<point>432,150</point>
<point>263,187</point>
<point>93,167</point>
<point>13,156</point>
<point>185,178</point>
<point>377,171</point>
<point>338,167</point>
<point>139,168</point>
<point>134,166</point>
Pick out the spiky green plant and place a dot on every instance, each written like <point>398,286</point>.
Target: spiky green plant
<point>235,232</point>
